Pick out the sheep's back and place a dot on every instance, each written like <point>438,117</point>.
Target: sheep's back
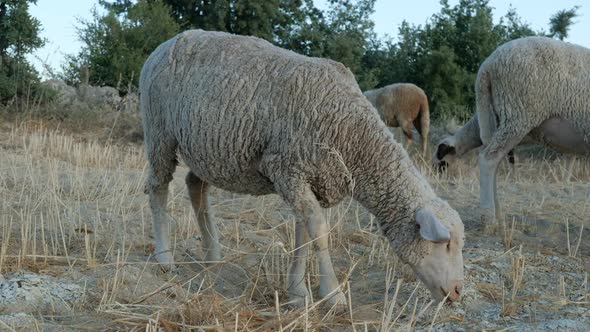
<point>230,100</point>
<point>536,78</point>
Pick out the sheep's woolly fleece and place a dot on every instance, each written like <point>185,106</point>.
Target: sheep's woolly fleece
<point>286,119</point>
<point>403,105</point>
<point>533,86</point>
<point>529,80</point>
<point>529,90</point>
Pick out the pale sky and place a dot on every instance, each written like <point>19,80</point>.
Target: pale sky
<point>59,19</point>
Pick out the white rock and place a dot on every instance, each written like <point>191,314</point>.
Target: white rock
<point>27,292</point>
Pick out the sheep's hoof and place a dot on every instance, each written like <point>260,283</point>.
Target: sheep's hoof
<point>491,229</point>
<point>297,296</point>
<point>168,267</point>
<point>488,219</point>
<point>337,302</point>
<point>488,216</point>
<point>213,258</point>
<point>166,261</point>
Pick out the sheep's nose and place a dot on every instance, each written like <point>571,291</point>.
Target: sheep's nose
<point>456,293</point>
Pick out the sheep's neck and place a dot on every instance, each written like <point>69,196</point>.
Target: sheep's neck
<point>467,138</point>
<point>387,183</point>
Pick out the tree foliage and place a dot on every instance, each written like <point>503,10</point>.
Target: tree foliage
<point>442,56</point>
<point>117,43</point>
<point>19,36</point>
<point>561,22</point>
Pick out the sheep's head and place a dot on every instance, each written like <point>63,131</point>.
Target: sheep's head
<point>432,245</point>
<point>444,154</point>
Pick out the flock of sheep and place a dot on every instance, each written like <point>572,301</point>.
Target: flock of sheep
<point>252,118</point>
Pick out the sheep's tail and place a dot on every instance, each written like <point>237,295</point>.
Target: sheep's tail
<point>484,103</point>
<point>422,124</point>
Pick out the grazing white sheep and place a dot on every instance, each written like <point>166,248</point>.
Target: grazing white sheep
<point>403,105</point>
<point>534,86</point>
<point>456,145</point>
<point>252,118</point>
<point>461,141</point>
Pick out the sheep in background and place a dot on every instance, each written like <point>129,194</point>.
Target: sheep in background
<point>462,140</point>
<point>532,86</point>
<point>252,118</point>
<point>403,105</point>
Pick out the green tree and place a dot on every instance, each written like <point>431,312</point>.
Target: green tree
<point>203,14</point>
<point>342,33</point>
<point>305,30</point>
<point>273,20</point>
<point>116,44</point>
<point>19,36</point>
<point>512,27</point>
<point>561,22</point>
<point>448,83</point>
<point>346,36</point>
<point>444,55</point>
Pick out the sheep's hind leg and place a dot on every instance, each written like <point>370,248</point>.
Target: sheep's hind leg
<point>162,163</point>
<point>407,133</point>
<point>308,211</point>
<point>197,191</point>
<point>501,143</point>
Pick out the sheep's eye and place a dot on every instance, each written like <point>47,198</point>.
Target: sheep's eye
<point>449,246</point>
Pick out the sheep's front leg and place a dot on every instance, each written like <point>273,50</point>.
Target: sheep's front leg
<point>309,212</point>
<point>329,285</point>
<point>296,277</point>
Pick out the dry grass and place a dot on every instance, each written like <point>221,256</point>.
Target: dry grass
<point>517,272</point>
<point>75,209</point>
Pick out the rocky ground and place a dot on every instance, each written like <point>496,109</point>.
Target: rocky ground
<point>75,250</point>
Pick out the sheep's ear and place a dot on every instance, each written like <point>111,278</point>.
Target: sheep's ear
<point>431,228</point>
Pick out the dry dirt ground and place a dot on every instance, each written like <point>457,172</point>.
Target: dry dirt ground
<point>75,250</point>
